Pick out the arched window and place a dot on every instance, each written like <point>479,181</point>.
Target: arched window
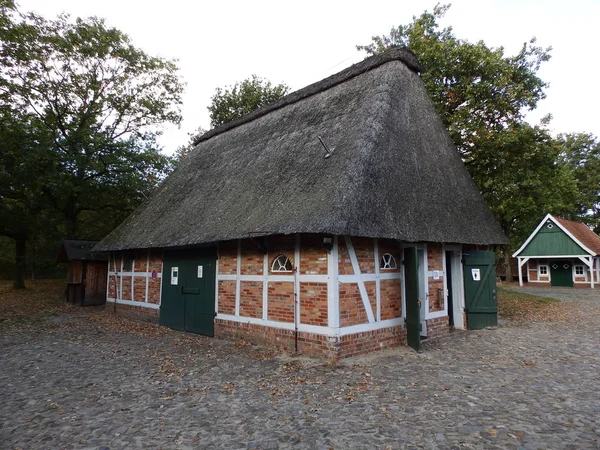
<point>281,264</point>
<point>387,262</point>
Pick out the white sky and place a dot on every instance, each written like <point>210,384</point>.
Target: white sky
<point>218,43</point>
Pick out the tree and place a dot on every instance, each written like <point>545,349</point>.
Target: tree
<point>183,150</point>
<point>242,98</point>
<point>101,101</point>
<point>581,153</point>
<point>23,162</point>
<point>80,108</point>
<point>481,95</point>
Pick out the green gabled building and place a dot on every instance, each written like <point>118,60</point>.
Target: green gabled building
<point>560,252</point>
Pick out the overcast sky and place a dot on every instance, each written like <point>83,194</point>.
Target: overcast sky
<point>218,43</point>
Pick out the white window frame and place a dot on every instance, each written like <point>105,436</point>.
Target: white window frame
<point>389,260</point>
<point>543,275</point>
<point>280,270</point>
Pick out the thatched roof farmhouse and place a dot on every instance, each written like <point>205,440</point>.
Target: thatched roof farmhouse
<point>323,183</point>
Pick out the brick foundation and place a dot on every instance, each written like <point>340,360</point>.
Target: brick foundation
<point>329,347</point>
<point>135,312</point>
<point>437,327</point>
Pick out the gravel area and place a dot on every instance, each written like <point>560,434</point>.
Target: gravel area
<point>72,383</point>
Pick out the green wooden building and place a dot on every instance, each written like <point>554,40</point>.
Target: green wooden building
<point>560,252</point>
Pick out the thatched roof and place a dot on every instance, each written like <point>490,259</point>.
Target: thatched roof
<point>393,172</point>
<point>79,250</point>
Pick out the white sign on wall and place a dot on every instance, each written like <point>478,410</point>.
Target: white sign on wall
<point>200,270</point>
<point>174,275</point>
<point>476,274</point>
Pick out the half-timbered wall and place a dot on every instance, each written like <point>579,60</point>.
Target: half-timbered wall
<point>344,299</point>
<point>136,286</point>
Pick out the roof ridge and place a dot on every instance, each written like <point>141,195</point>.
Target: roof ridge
<point>403,54</point>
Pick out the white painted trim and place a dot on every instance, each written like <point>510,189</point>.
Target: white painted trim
<point>333,302</point>
<point>425,287</point>
<point>133,303</point>
<point>138,274</point>
<point>162,268</point>
<point>217,278</point>
<point>531,236</point>
<point>540,275</point>
<point>120,293</point>
<point>369,277</point>
<point>238,272</point>
<point>297,281</point>
<point>361,328</point>
<point>265,296</point>
<point>325,331</point>
<point>275,278</point>
<point>436,314</point>
<point>553,256</point>
<point>361,284</point>
<point>108,277</point>
<point>147,270</point>
<point>377,280</point>
<point>402,280</point>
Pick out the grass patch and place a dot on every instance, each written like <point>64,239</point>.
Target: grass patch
<point>521,307</point>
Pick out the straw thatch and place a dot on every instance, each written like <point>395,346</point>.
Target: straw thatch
<point>393,171</point>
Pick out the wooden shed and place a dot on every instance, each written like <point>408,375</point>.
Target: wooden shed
<point>86,273</point>
<point>338,220</point>
<point>560,252</point>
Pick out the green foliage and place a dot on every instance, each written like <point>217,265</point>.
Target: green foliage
<point>581,153</point>
<point>482,95</point>
<point>81,108</point>
<point>242,98</point>
<point>183,150</point>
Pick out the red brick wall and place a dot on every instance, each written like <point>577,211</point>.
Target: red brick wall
<point>365,254</point>
<point>228,257</point>
<point>371,341</point>
<point>435,262</point>
<point>252,259</point>
<point>226,297</point>
<point>135,312</point>
<point>391,299</point>
<point>126,293</point>
<point>142,263</point>
<point>533,265</point>
<point>437,327</point>
<point>281,245</point>
<point>313,256</point>
<point>281,301</point>
<point>314,344</point>
<point>352,311</point>
<point>313,303</point>
<point>251,298</point>
<point>139,288</point>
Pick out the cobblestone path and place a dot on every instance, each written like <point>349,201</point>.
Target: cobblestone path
<point>75,384</point>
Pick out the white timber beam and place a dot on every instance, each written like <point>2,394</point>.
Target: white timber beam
<point>359,280</point>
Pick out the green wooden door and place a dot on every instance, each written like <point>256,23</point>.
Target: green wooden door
<point>561,273</point>
<point>413,313</point>
<point>188,297</point>
<point>480,289</point>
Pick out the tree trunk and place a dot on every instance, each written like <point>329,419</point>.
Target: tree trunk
<point>509,275</point>
<point>20,248</point>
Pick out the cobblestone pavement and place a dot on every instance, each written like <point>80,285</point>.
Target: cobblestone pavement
<point>75,384</point>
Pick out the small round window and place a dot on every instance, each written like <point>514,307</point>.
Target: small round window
<point>281,264</point>
<point>549,226</point>
<point>387,261</point>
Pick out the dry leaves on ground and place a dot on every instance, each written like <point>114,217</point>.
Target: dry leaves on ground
<point>519,307</point>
